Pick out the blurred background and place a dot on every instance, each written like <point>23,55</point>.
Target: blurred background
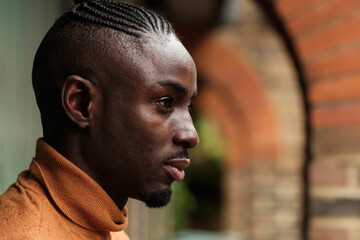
<point>278,113</point>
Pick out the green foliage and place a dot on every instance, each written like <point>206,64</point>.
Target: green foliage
<point>211,146</point>
<point>184,205</point>
<point>197,200</point>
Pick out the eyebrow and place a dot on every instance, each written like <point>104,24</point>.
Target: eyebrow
<point>176,85</point>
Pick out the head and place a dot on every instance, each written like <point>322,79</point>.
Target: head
<point>114,85</point>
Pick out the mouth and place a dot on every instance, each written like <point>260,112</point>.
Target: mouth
<point>175,168</point>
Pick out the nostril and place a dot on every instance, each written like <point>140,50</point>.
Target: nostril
<point>186,145</point>
<point>192,140</point>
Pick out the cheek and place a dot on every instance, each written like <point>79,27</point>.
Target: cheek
<point>154,127</point>
<point>149,137</point>
<point>139,131</point>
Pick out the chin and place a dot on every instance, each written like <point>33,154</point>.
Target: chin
<point>156,199</point>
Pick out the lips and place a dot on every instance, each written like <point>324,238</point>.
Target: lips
<point>175,168</point>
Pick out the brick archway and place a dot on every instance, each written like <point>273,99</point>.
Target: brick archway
<point>234,95</point>
<point>234,92</point>
<point>324,39</point>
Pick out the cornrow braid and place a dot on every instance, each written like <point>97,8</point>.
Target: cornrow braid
<point>166,26</point>
<point>129,19</point>
<point>121,13</point>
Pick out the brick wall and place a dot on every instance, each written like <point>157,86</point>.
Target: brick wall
<point>248,84</point>
<point>326,36</point>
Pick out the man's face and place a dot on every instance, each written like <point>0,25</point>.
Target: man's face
<point>145,126</point>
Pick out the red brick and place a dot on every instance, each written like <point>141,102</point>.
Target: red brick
<point>327,38</point>
<point>348,116</point>
<point>325,174</point>
<point>217,61</point>
<point>211,102</point>
<point>287,7</point>
<point>339,63</point>
<point>337,141</point>
<point>321,14</point>
<point>328,234</point>
<point>335,90</point>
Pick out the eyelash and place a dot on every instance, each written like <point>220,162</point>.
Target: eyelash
<point>166,103</point>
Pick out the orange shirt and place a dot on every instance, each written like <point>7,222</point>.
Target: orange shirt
<point>54,199</point>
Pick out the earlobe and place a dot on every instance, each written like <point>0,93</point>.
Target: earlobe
<point>77,98</point>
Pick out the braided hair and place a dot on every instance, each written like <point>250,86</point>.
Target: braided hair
<point>129,19</point>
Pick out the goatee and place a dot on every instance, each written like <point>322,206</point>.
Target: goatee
<point>157,199</point>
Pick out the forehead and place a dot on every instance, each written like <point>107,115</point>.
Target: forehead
<point>167,48</point>
<point>166,55</point>
<point>155,58</point>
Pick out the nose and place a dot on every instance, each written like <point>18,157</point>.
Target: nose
<point>186,133</point>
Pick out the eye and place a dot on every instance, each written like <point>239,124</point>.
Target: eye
<point>165,103</point>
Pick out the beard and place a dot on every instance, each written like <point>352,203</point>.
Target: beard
<point>156,199</point>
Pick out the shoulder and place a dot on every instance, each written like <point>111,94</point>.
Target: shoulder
<point>24,210</point>
<point>26,195</point>
<point>22,197</point>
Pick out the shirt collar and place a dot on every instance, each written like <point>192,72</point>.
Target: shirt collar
<point>77,195</point>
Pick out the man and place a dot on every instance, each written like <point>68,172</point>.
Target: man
<point>114,86</point>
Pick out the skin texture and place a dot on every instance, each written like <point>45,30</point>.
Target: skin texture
<point>123,132</point>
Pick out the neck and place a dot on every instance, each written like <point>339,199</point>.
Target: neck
<point>71,147</point>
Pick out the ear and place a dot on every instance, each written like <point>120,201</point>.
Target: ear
<point>77,98</point>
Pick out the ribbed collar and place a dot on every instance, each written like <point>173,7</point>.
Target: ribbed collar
<point>77,195</point>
